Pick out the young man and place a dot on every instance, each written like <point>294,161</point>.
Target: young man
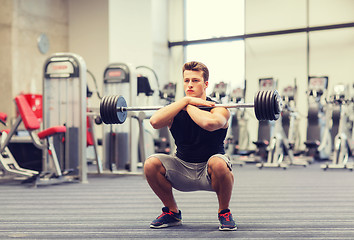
<point>199,162</point>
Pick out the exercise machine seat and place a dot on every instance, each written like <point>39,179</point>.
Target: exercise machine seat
<point>51,131</point>
<point>28,117</point>
<point>260,144</point>
<point>3,116</point>
<point>5,130</point>
<point>312,144</point>
<point>31,121</point>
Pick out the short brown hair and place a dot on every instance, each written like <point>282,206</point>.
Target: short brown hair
<point>197,66</point>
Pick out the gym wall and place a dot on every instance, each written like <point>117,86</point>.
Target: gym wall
<point>119,31</point>
<point>176,33</point>
<point>109,31</point>
<point>101,31</point>
<point>21,63</point>
<point>285,57</point>
<point>88,36</point>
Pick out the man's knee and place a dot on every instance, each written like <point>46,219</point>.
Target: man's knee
<point>218,167</point>
<point>152,166</point>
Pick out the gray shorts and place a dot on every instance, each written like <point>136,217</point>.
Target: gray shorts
<point>185,176</point>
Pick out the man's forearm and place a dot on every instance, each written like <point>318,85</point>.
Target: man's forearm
<point>207,120</point>
<point>164,116</point>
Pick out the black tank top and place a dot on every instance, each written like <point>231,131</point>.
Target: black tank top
<point>195,144</point>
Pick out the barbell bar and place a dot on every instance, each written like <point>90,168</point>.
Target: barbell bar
<point>267,106</point>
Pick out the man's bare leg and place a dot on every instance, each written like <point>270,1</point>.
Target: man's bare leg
<point>222,181</point>
<point>155,176</point>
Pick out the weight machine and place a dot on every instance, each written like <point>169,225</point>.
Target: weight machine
<point>164,143</point>
<point>290,117</point>
<point>64,104</point>
<point>342,150</point>
<point>318,143</point>
<point>120,143</point>
<point>239,142</point>
<point>219,91</point>
<point>280,149</point>
<point>9,167</point>
<point>265,128</point>
<point>93,118</point>
<point>238,136</point>
<point>219,94</point>
<point>42,140</point>
<point>126,147</point>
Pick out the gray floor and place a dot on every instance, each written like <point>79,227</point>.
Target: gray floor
<point>297,203</point>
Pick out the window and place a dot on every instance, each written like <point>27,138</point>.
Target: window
<point>225,61</point>
<point>214,18</point>
<point>211,19</point>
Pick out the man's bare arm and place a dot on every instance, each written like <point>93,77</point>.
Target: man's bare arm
<point>164,116</point>
<point>216,119</point>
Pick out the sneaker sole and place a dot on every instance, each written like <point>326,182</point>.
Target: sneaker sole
<point>167,225</point>
<point>227,229</point>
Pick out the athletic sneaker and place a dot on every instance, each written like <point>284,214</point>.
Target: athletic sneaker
<point>227,223</point>
<point>167,219</point>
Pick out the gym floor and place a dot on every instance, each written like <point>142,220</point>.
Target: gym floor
<point>297,203</point>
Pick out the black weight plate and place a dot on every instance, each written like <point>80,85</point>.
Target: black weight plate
<point>113,109</point>
<point>109,110</point>
<point>101,109</point>
<point>122,102</point>
<point>278,104</point>
<point>275,103</point>
<point>260,105</point>
<point>118,114</point>
<point>106,112</point>
<point>262,111</point>
<point>103,114</point>
<point>272,106</point>
<point>257,105</point>
<point>266,104</point>
<point>259,99</point>
<point>260,114</point>
<point>269,106</point>
<point>121,115</point>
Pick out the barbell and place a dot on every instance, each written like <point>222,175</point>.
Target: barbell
<point>267,106</point>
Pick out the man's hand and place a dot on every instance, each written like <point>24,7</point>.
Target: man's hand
<point>198,102</point>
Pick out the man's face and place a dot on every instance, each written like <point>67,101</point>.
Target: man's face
<point>194,85</point>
